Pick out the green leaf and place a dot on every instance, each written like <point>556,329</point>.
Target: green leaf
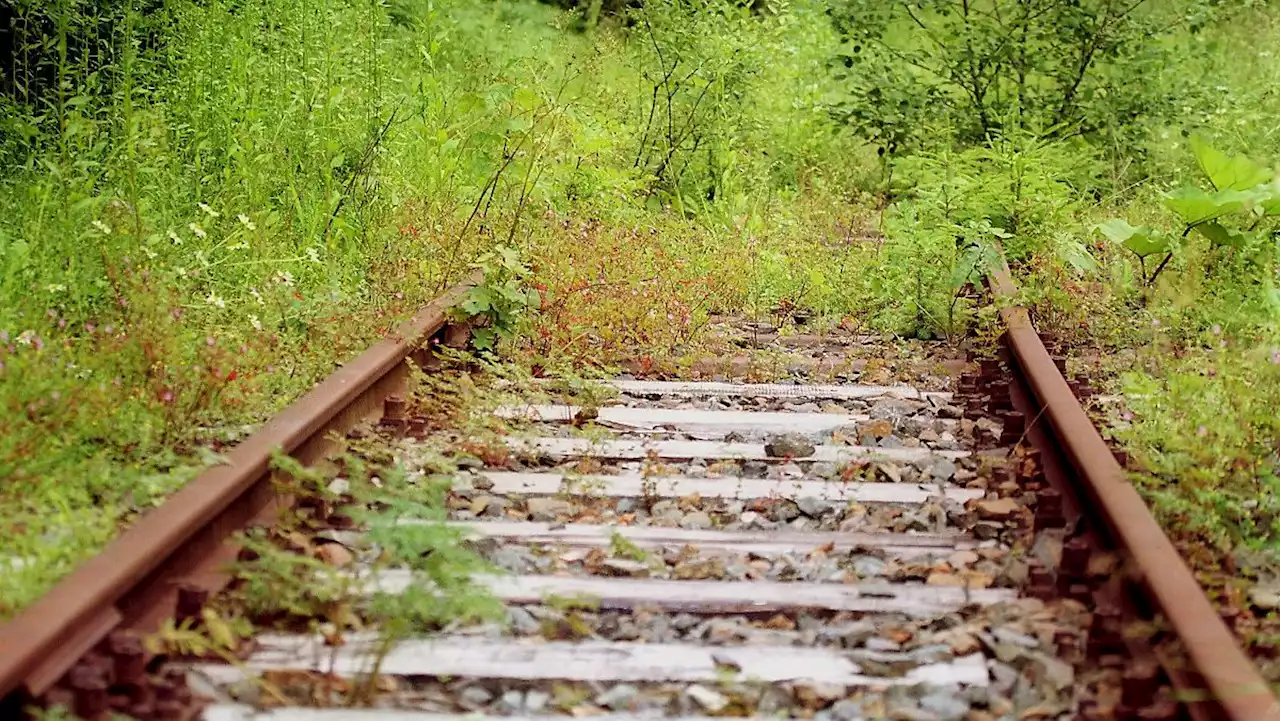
<point>1194,205</point>
<point>484,338</point>
<point>1219,235</point>
<point>1119,230</point>
<point>965,267</point>
<point>1075,254</point>
<point>1227,172</point>
<point>479,301</point>
<point>1267,197</point>
<point>526,98</point>
<point>1142,241</point>
<point>519,124</point>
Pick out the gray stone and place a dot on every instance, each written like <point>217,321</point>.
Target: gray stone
<point>658,630</point>
<point>784,511</point>
<point>786,471</point>
<point>496,507</point>
<point>813,507</point>
<point>547,509</point>
<point>773,699</point>
<point>1003,677</point>
<point>824,691</point>
<point>245,691</point>
<point>856,633</point>
<point>950,412</point>
<point>535,701</point>
<point>625,505</point>
<point>1055,671</point>
<point>789,445</point>
<point>470,463</point>
<point>625,567</point>
<point>933,653</point>
<point>891,409</point>
<point>473,697</point>
<point>662,508</point>
<point>943,469</point>
<point>846,710</point>
<point>511,702</point>
<point>522,621</point>
<point>947,703</point>
<point>824,469</point>
<point>696,520</point>
<point>1009,636</point>
<point>882,644</point>
<point>706,698</point>
<point>544,613</point>
<point>755,469</point>
<point>722,631</point>
<point>1265,598</point>
<point>1025,694</point>
<point>516,559</point>
<point>986,530</point>
<point>890,471</point>
<point>620,697</point>
<point>685,621</point>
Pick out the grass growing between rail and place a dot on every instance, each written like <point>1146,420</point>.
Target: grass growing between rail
<point>209,205</point>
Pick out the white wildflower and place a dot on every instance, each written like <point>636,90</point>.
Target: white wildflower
<point>284,277</point>
<point>199,232</point>
<point>102,227</point>
<point>177,239</point>
<point>257,296</point>
<point>253,321</point>
<point>56,288</point>
<point>212,213</point>
<point>246,221</point>
<point>215,300</point>
<point>313,255</point>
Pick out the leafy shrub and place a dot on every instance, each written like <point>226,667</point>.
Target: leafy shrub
<point>1204,428</point>
<point>498,303</point>
<point>994,64</point>
<point>697,59</point>
<point>1235,217</point>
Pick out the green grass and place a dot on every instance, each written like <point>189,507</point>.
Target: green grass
<point>206,206</point>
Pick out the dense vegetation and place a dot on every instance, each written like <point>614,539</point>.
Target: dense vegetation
<point>209,202</point>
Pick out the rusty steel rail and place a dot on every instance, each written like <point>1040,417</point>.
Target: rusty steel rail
<point>1219,681</point>
<point>173,558</point>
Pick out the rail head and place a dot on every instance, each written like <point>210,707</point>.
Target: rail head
<point>1232,684</point>
<point>133,582</point>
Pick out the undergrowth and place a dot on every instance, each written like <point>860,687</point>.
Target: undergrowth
<point>209,204</point>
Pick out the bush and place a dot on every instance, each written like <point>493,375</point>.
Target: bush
<point>1050,66</point>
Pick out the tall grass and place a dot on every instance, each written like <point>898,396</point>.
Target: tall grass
<point>207,204</point>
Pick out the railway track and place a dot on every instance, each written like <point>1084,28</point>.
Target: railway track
<point>697,549</point>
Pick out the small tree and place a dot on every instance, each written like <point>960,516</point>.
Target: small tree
<point>1236,216</point>
<point>992,64</point>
